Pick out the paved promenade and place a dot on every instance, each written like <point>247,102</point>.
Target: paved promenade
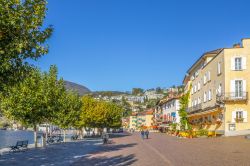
<point>159,150</point>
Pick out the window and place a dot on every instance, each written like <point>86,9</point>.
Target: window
<point>195,102</point>
<point>196,74</point>
<point>219,89</point>
<point>205,79</point>
<point>239,114</point>
<point>192,90</point>
<point>209,95</point>
<point>219,68</point>
<point>195,89</point>
<point>208,76</point>
<point>199,86</point>
<point>205,97</point>
<point>238,63</point>
<point>238,88</point>
<point>199,100</point>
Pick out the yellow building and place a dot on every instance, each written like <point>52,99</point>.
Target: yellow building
<point>141,120</point>
<point>219,82</point>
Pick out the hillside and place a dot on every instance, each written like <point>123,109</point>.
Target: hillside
<point>82,90</point>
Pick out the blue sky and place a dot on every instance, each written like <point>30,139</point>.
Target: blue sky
<point>121,44</point>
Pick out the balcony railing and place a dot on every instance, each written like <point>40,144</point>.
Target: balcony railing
<point>232,96</point>
<point>194,108</point>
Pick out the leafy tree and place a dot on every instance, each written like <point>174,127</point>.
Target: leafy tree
<point>182,112</point>
<point>70,107</point>
<point>100,114</point>
<point>22,37</point>
<point>24,102</point>
<point>126,107</point>
<point>53,89</point>
<point>137,91</point>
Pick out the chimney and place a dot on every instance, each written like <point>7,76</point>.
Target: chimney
<point>237,45</point>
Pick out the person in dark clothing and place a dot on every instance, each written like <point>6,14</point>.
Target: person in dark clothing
<point>142,134</point>
<point>147,133</point>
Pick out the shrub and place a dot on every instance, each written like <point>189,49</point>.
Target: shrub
<point>202,132</point>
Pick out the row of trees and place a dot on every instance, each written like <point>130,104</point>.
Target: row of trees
<point>29,96</point>
<point>42,98</point>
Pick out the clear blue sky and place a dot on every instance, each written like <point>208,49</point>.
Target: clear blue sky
<point>121,44</point>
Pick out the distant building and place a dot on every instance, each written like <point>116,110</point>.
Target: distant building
<point>170,110</point>
<point>141,120</point>
<point>132,98</point>
<point>152,95</point>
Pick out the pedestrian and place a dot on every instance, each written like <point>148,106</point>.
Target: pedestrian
<point>142,134</point>
<point>105,138</point>
<point>147,133</point>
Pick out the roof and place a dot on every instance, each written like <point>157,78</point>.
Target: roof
<point>213,52</point>
<point>165,100</point>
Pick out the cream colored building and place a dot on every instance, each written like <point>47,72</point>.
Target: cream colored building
<point>219,82</point>
<point>141,120</point>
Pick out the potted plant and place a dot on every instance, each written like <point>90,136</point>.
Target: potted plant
<point>239,120</point>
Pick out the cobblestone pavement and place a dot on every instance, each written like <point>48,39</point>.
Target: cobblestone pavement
<point>158,150</point>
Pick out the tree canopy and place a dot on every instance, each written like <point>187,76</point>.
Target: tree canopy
<point>137,91</point>
<point>100,114</point>
<point>22,37</point>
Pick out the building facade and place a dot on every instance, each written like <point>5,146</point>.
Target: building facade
<point>141,120</point>
<point>219,82</point>
<point>170,110</point>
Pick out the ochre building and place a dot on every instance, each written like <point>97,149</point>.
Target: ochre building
<point>219,85</point>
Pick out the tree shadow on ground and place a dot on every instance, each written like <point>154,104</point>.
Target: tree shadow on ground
<point>119,135</point>
<point>106,161</point>
<point>64,154</point>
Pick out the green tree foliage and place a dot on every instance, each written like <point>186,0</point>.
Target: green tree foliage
<point>24,102</point>
<point>137,91</point>
<point>41,98</point>
<point>100,114</point>
<point>22,37</point>
<point>183,110</point>
<point>69,110</point>
<point>126,107</point>
<point>52,89</point>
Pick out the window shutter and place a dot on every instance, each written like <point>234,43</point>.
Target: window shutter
<point>232,90</point>
<point>232,63</point>
<point>233,116</point>
<point>244,63</point>
<point>245,116</point>
<point>244,85</point>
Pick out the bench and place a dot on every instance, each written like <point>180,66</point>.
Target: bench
<point>20,145</point>
<point>74,137</point>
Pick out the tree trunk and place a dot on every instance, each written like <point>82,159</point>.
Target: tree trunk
<point>35,136</point>
<point>64,135</point>
<point>82,135</point>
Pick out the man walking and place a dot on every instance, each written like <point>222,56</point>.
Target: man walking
<point>142,134</point>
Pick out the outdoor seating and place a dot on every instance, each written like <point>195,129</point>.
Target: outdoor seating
<point>20,145</point>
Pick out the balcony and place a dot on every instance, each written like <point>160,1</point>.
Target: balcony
<point>232,96</point>
<point>194,108</point>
